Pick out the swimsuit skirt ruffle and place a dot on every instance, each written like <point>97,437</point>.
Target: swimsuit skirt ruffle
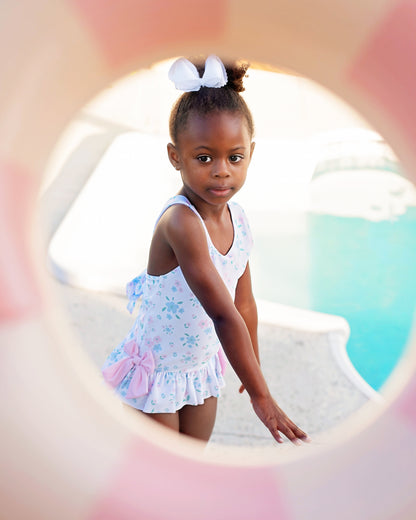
<point>170,391</point>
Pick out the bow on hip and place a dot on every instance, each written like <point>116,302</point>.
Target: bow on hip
<point>143,368</point>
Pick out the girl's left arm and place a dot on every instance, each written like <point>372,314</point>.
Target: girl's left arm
<point>246,306</point>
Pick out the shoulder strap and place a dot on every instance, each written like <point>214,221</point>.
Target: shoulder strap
<point>179,199</point>
<point>241,224</point>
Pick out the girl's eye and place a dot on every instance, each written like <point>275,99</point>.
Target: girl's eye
<point>236,158</point>
<point>204,158</point>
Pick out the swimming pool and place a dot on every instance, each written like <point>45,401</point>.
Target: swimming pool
<point>352,267</point>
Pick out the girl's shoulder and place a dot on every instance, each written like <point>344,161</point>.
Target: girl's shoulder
<point>176,205</point>
<point>179,221</point>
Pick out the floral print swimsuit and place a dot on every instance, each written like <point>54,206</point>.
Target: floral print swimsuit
<point>172,356</point>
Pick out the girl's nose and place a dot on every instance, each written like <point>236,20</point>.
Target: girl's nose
<point>221,169</point>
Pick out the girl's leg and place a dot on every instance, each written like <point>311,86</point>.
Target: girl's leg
<point>170,420</point>
<point>198,421</point>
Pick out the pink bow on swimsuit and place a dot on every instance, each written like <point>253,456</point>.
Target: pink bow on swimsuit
<point>144,367</point>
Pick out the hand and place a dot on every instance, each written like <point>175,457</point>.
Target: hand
<point>277,421</point>
<point>241,389</point>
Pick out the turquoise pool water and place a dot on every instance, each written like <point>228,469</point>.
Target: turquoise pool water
<point>364,271</point>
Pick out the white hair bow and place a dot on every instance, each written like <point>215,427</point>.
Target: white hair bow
<point>185,75</point>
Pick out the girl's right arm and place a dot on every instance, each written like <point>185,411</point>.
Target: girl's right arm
<point>184,233</point>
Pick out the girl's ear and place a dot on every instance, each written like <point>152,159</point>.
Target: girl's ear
<point>253,145</point>
<point>174,156</point>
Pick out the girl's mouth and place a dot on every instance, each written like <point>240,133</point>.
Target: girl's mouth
<point>220,192</point>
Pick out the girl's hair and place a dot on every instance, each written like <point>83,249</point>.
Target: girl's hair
<point>208,99</point>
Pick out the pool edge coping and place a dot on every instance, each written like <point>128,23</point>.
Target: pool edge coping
<point>337,327</point>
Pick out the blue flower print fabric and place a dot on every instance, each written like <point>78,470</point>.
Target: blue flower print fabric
<point>187,361</point>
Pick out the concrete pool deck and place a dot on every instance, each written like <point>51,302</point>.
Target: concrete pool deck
<point>297,347</point>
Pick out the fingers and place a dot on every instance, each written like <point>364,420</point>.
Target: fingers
<point>278,422</point>
<point>294,434</point>
<point>287,431</point>
<point>290,430</point>
<point>276,435</point>
<point>293,437</point>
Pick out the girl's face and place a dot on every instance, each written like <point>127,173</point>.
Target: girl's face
<point>212,153</point>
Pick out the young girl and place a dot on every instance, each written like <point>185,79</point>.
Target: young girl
<point>196,292</point>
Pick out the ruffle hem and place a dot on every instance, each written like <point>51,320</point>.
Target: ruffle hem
<point>170,391</point>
